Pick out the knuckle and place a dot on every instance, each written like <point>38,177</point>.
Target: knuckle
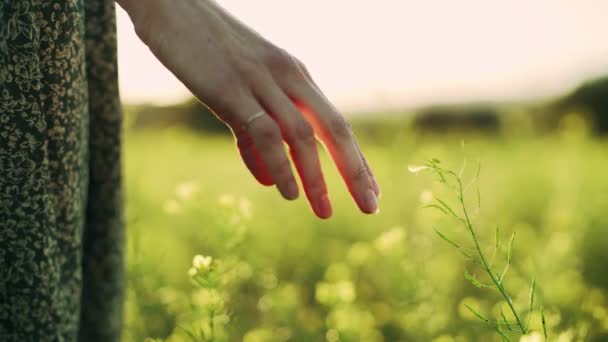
<point>280,61</point>
<point>268,134</point>
<point>282,168</point>
<point>223,102</point>
<point>361,174</point>
<point>250,69</point>
<point>340,128</point>
<point>303,132</point>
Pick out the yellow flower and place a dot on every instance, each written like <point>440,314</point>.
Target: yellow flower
<point>226,200</point>
<point>186,190</point>
<point>426,197</point>
<point>172,207</point>
<point>390,239</point>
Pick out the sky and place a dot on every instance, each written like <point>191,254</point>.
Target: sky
<point>403,53</point>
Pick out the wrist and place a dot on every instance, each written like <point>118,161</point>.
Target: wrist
<point>139,12</point>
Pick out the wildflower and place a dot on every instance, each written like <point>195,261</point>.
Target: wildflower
<point>226,200</point>
<point>332,335</point>
<point>245,207</point>
<point>359,253</point>
<point>534,337</point>
<point>186,190</point>
<point>426,197</point>
<point>172,207</point>
<point>192,272</point>
<point>202,263</point>
<point>417,168</point>
<point>390,239</point>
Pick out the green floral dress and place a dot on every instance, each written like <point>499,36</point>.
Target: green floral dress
<point>61,225</point>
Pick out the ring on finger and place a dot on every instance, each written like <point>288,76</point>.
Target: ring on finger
<point>252,118</point>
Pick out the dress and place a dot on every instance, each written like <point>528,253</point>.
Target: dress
<point>61,217</point>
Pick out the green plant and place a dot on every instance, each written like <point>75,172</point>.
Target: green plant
<point>454,182</point>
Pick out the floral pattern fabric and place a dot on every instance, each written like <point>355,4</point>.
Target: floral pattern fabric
<point>61,220</point>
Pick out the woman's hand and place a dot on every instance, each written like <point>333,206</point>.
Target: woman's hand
<point>262,93</point>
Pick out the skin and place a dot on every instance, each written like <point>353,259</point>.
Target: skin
<point>237,73</point>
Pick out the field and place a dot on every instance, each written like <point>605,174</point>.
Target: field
<point>279,274</point>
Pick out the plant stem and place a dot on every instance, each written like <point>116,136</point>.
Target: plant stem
<point>486,267</point>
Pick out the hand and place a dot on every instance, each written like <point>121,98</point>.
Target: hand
<point>238,74</point>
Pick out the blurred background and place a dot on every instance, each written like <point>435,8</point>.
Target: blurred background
<point>518,86</point>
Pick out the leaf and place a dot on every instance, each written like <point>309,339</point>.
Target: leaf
<point>435,206</point>
<point>503,337</point>
<point>445,238</point>
<point>542,317</point>
<point>504,272</point>
<point>462,168</point>
<point>189,333</point>
<point>436,161</point>
<point>448,208</point>
<point>477,314</point>
<point>497,238</point>
<point>531,303</point>
<point>510,249</point>
<point>533,287</point>
<point>502,313</point>
<point>496,246</point>
<point>477,183</point>
<point>470,277</point>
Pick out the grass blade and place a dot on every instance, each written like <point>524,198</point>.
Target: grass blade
<point>543,320</point>
<point>477,183</point>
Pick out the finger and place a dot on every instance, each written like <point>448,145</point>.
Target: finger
<point>252,158</point>
<point>267,140</point>
<point>372,177</point>
<point>300,137</point>
<point>335,132</point>
<point>302,68</point>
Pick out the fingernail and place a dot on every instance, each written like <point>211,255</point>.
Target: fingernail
<point>324,209</point>
<point>371,202</point>
<point>292,190</point>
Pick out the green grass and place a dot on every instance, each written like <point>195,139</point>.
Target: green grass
<point>283,275</point>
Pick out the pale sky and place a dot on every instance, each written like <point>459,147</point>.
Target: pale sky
<point>392,53</point>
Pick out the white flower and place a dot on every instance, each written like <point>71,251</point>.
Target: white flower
<point>186,190</point>
<point>417,168</point>
<point>202,262</point>
<point>192,271</point>
<point>172,207</point>
<point>390,239</point>
<point>426,197</point>
<point>226,200</point>
<point>245,207</point>
<point>534,337</point>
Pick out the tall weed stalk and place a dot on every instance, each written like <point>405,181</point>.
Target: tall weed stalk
<point>518,324</point>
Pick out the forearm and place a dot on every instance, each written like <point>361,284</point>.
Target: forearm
<point>147,15</point>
